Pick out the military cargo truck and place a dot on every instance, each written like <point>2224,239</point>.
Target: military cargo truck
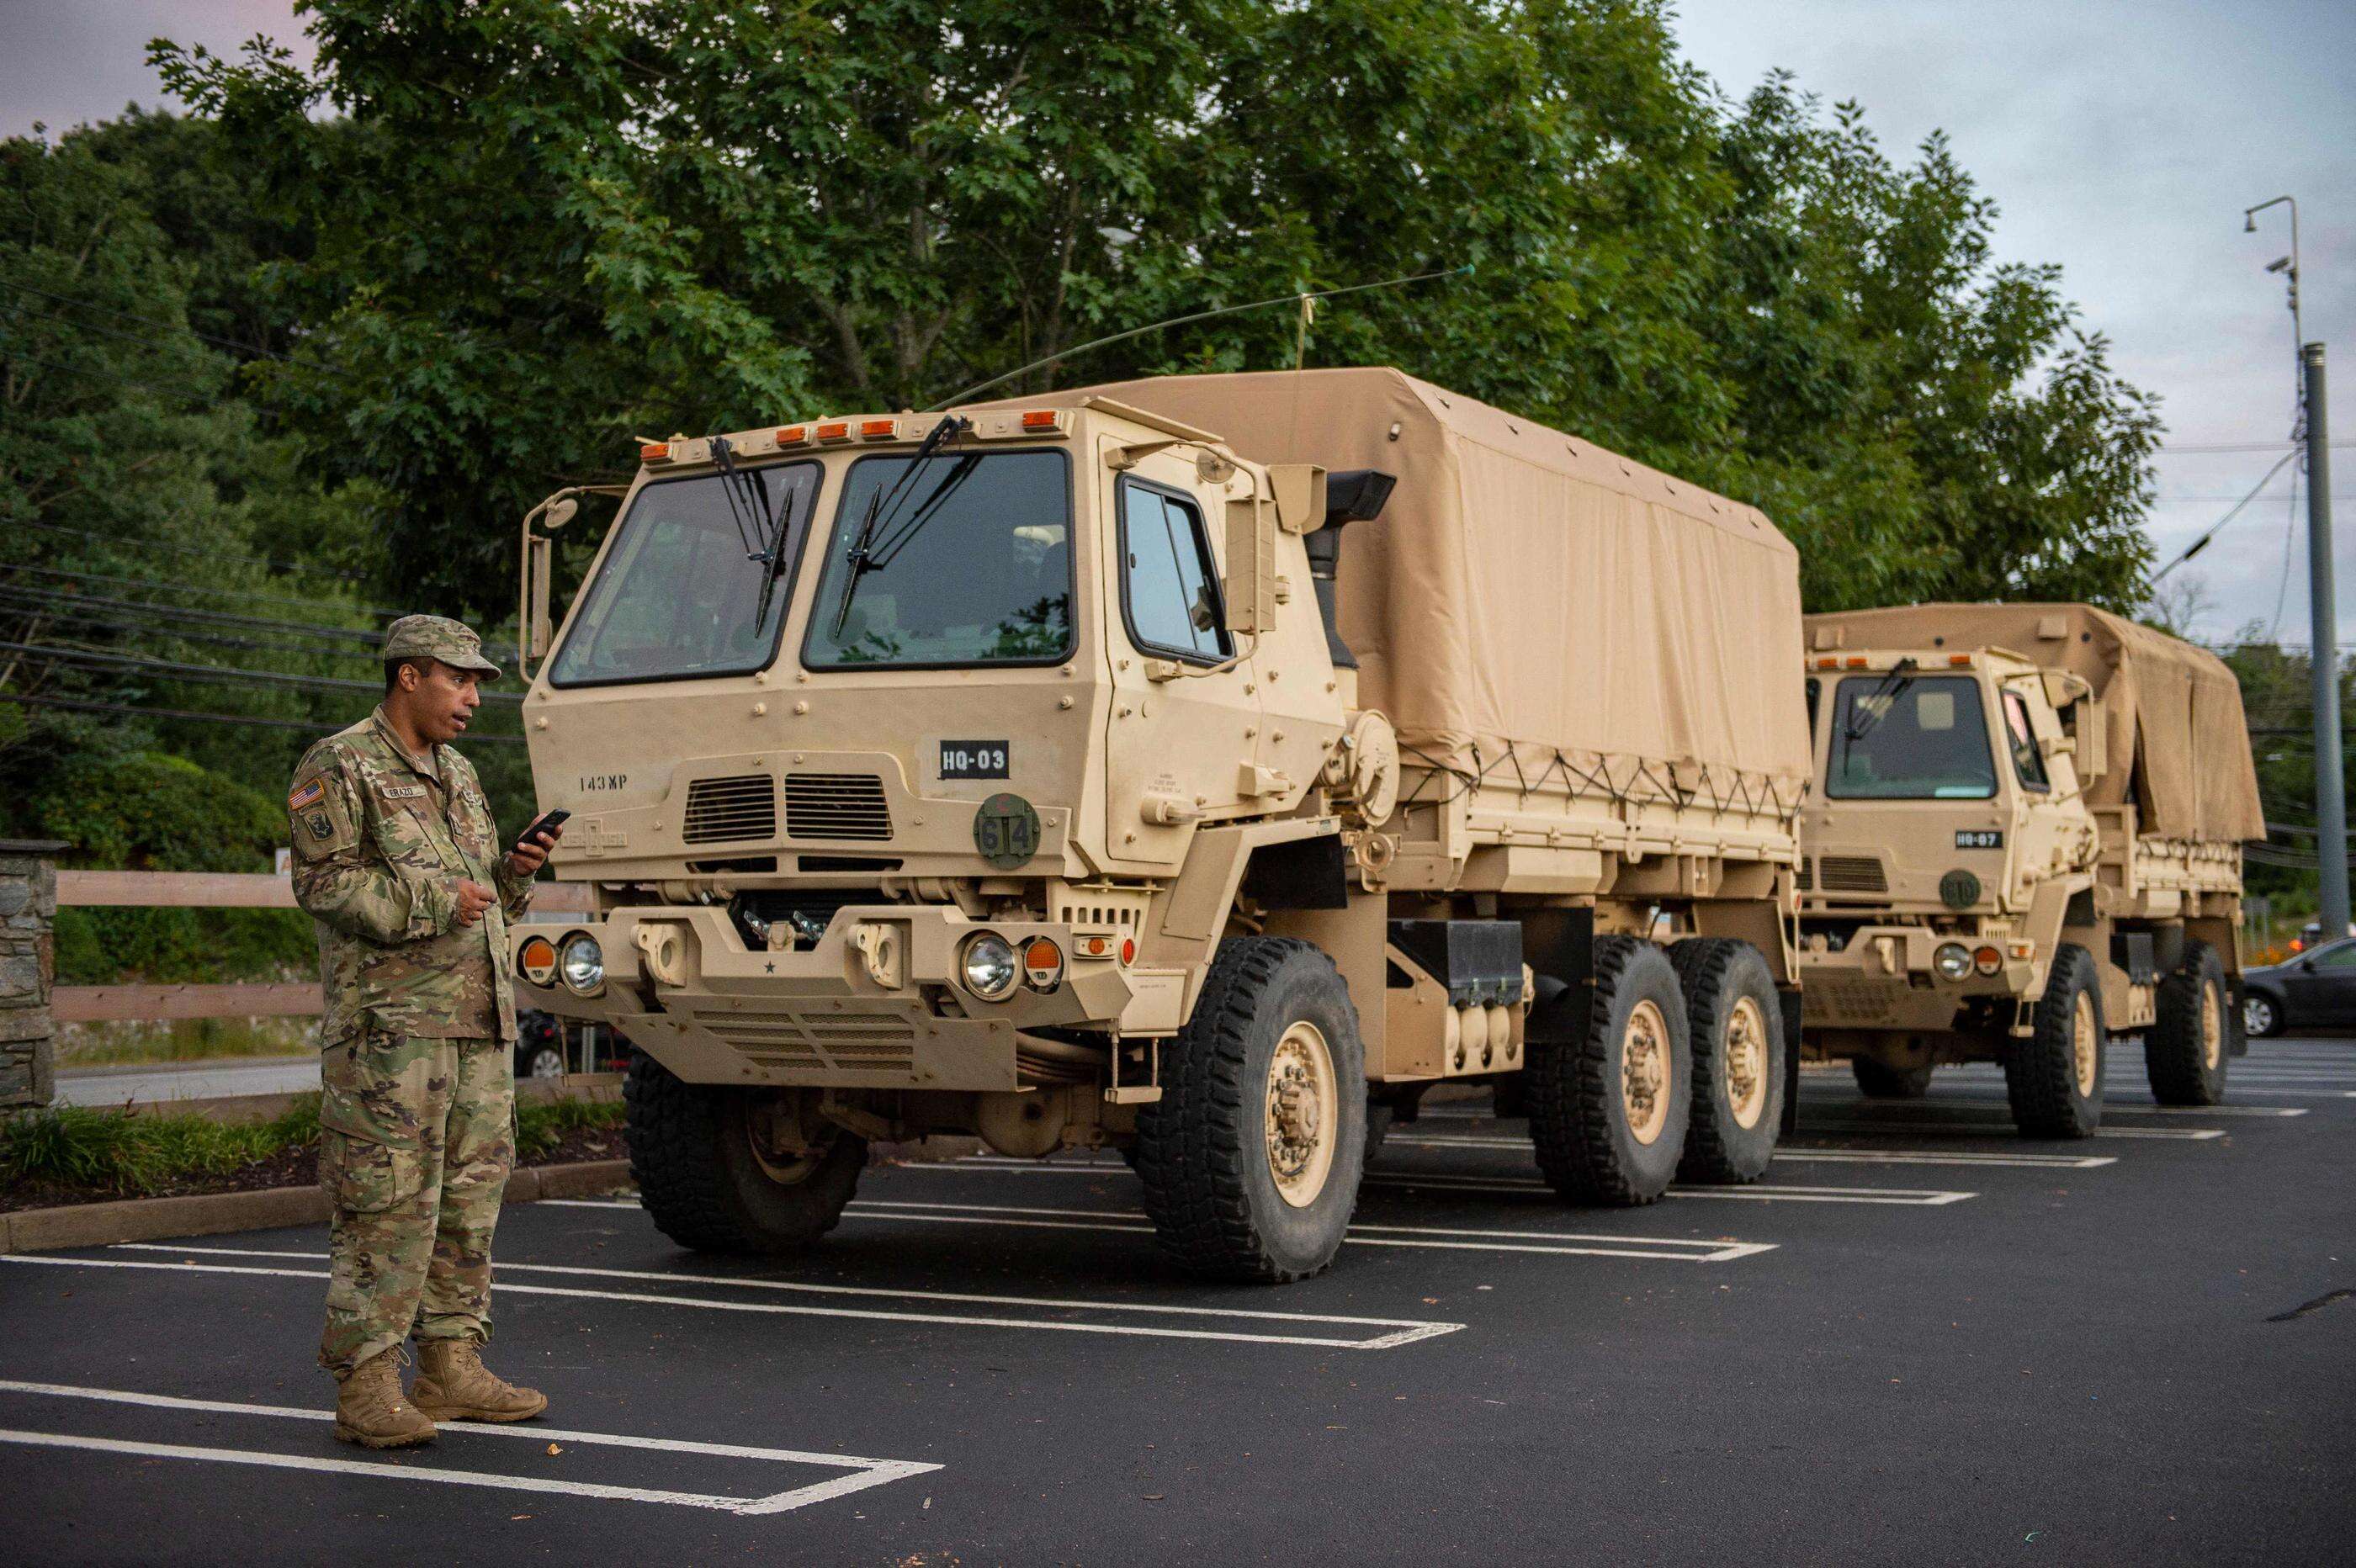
<point>1200,767</point>
<point>2026,839</point>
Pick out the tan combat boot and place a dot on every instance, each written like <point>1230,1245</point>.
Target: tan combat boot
<point>370,1409</point>
<point>452,1384</point>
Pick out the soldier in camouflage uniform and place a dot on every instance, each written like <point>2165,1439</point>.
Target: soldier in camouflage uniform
<point>398,860</point>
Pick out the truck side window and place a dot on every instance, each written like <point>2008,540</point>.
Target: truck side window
<point>2027,760</point>
<point>1170,581</point>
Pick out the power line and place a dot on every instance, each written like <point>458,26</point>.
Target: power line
<point>12,606</point>
<point>179,670</point>
<point>193,716</point>
<point>2196,545</point>
<point>2244,446</point>
<point>151,546</point>
<point>190,588</point>
<point>306,630</point>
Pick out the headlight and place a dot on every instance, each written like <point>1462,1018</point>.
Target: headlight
<point>583,964</point>
<point>1953,960</point>
<point>988,966</point>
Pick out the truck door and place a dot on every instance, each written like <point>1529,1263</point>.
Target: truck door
<point>1177,747</point>
<point>2053,827</point>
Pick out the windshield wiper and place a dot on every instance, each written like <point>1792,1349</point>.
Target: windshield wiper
<point>760,525</point>
<point>1863,714</point>
<point>884,505</point>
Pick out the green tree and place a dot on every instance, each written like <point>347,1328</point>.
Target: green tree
<point>538,228</point>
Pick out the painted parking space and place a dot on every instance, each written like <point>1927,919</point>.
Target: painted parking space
<point>857,1474</point>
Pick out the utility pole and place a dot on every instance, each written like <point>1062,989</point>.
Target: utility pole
<point>2323,653</point>
<point>2330,784</point>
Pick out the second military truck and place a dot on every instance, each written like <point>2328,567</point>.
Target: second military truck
<point>2026,839</point>
<point>1202,767</point>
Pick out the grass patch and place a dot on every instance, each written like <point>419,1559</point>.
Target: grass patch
<point>110,1153</point>
<point>131,1156</point>
<point>540,1125</point>
<point>184,1040</point>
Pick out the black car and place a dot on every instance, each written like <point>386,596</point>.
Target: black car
<point>2316,989</point>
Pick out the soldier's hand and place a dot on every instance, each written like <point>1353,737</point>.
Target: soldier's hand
<point>472,899</point>
<point>529,854</point>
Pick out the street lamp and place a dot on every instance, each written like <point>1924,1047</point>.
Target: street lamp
<point>2288,265</point>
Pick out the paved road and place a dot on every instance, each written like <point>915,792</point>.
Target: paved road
<point>1923,1340</point>
<point>189,1081</point>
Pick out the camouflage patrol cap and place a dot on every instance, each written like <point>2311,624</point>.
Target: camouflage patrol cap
<point>437,637</point>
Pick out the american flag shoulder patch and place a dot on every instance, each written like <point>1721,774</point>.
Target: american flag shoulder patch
<point>307,795</point>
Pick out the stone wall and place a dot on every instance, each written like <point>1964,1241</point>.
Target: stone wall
<point>28,912</point>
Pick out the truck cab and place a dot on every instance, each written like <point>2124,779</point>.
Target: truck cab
<point>1966,895</point>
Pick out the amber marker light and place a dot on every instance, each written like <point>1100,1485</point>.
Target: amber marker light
<point>1042,965</point>
<point>1128,951</point>
<point>654,452</point>
<point>1042,419</point>
<point>1987,960</point>
<point>878,430</point>
<point>1959,658</point>
<point>536,961</point>
<point>1857,664</point>
<point>834,429</point>
<point>793,435</point>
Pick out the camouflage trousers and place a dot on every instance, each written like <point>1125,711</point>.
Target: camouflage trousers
<point>417,1138</point>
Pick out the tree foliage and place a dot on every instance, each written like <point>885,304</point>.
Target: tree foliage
<point>533,229</point>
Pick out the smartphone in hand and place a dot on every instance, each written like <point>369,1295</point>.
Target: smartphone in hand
<point>540,823</point>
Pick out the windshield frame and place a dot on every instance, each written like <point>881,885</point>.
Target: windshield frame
<point>1837,707</point>
<point>821,609</point>
<point>787,584</point>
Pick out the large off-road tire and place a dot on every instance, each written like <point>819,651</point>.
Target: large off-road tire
<point>1877,1080</point>
<point>1735,1025</point>
<point>2054,1078</point>
<point>1251,1157</point>
<point>714,1182</point>
<point>1608,1112</point>
<point>2190,1043</point>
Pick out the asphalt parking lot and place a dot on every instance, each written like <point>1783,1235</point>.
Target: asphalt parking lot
<point>1921,1341</point>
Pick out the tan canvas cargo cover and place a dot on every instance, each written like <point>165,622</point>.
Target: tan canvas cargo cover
<point>2174,708</point>
<point>1525,589</point>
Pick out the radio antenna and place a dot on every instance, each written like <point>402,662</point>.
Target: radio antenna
<point>1292,299</point>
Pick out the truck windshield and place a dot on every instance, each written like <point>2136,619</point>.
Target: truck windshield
<point>677,597</point>
<point>1926,739</point>
<point>972,565</point>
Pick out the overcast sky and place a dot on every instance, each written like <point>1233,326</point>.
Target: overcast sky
<point>2121,139</point>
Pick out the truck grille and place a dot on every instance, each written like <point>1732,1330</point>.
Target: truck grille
<point>1807,875</point>
<point>836,806</point>
<point>720,811</point>
<point>1852,874</point>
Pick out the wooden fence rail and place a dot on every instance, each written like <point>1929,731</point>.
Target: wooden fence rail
<point>213,889</point>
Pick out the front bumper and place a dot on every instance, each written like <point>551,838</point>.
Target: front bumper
<point>874,1003</point>
<point>1882,979</point>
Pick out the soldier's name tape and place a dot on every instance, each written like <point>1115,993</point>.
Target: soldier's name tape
<point>1132,1318</point>
<point>863,1473</point>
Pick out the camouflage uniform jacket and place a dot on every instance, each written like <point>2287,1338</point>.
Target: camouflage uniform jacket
<point>380,847</point>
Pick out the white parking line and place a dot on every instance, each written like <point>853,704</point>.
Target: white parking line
<point>1798,1156</point>
<point>1403,1331</point>
<point>1676,1249</point>
<point>1893,1111</point>
<point>1765,1192</point>
<point>864,1473</point>
<point>2002,1130</point>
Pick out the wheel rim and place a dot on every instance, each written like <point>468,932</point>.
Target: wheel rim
<point>1746,1063</point>
<point>546,1062</point>
<point>2258,1015</point>
<point>1304,1106</point>
<point>2213,1028</point>
<point>1645,1073</point>
<point>2085,1044</point>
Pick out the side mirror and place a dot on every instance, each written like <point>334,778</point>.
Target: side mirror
<point>2089,729</point>
<point>1248,590</point>
<point>533,630</point>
